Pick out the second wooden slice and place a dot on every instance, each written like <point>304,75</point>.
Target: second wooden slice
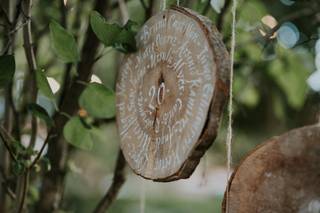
<point>170,94</point>
<point>280,176</point>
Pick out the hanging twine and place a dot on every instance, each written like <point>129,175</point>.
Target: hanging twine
<point>204,175</point>
<point>164,4</point>
<point>230,107</point>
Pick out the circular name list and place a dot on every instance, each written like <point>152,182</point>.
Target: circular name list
<point>170,94</point>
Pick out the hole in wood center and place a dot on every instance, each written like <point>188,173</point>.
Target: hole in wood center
<point>161,90</point>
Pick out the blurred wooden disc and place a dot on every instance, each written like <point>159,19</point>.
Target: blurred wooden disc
<point>170,94</point>
<point>280,176</point>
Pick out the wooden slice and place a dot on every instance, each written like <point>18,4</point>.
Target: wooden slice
<point>280,176</point>
<point>170,94</point>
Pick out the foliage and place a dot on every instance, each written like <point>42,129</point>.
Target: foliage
<point>78,133</point>
<point>291,76</point>
<point>41,113</point>
<point>43,85</point>
<point>121,38</point>
<point>98,101</point>
<point>63,43</point>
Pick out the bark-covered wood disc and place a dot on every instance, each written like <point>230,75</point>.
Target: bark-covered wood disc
<point>280,176</point>
<point>170,94</point>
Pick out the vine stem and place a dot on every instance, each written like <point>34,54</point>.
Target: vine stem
<point>31,59</point>
<point>6,138</point>
<point>24,191</point>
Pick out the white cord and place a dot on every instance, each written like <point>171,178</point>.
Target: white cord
<point>230,108</point>
<point>164,4</point>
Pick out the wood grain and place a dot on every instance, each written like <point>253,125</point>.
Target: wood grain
<point>280,176</point>
<point>170,94</point>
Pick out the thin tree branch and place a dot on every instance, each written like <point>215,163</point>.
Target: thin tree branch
<point>31,59</point>
<point>6,139</point>
<point>24,191</point>
<point>143,4</point>
<point>8,190</point>
<point>12,26</point>
<point>27,36</point>
<point>10,112</point>
<point>68,66</point>
<point>9,91</point>
<point>26,6</point>
<point>5,184</point>
<point>117,182</point>
<point>17,28</point>
<point>5,15</point>
<point>100,122</point>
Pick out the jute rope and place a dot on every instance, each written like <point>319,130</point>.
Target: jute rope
<point>230,107</point>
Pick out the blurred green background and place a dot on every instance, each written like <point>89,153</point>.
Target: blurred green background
<point>276,88</point>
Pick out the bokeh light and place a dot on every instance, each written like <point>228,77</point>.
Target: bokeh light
<point>2,106</point>
<point>288,35</point>
<point>25,141</point>
<point>317,61</point>
<point>314,81</point>
<point>217,5</point>
<point>317,46</point>
<point>270,22</point>
<point>287,2</point>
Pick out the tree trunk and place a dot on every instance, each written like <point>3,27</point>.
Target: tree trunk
<point>53,182</point>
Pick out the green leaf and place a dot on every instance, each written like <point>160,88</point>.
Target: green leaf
<point>63,43</point>
<point>125,41</point>
<point>43,85</point>
<point>121,38</point>
<point>77,134</point>
<point>98,101</point>
<point>7,69</point>
<point>41,113</point>
<point>106,33</point>
<point>291,74</point>
<point>132,26</point>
